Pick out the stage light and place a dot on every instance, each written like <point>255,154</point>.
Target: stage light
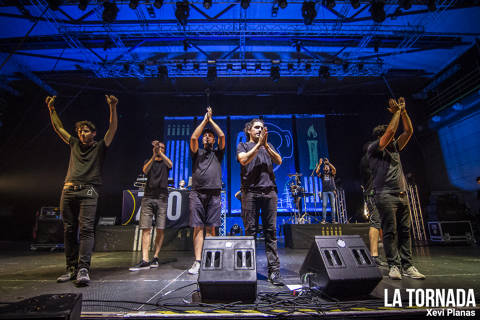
<point>207,4</point>
<point>275,73</point>
<point>290,67</point>
<point>54,4</point>
<point>82,4</point>
<point>158,4</point>
<point>235,230</point>
<point>196,67</point>
<point>282,4</point>
<point>245,4</point>
<point>110,11</point>
<point>330,4</point>
<point>182,12</point>
<point>133,4</point>
<point>405,4</point>
<point>308,12</point>
<point>211,73</point>
<point>324,72</point>
<point>377,10</point>
<point>244,67</point>
<point>355,3</point>
<point>274,11</point>
<point>258,67</point>
<point>431,5</point>
<point>229,67</point>
<point>179,67</point>
<point>308,67</point>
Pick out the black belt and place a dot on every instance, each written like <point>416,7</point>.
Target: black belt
<point>77,187</point>
<point>260,190</point>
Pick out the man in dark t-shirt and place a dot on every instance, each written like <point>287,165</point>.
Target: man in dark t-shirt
<point>154,204</point>
<point>259,191</point>
<point>329,190</point>
<point>390,191</point>
<point>205,204</point>
<point>78,203</point>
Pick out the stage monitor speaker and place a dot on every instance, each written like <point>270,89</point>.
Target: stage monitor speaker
<point>228,270</point>
<point>48,229</point>
<point>66,306</point>
<point>340,266</point>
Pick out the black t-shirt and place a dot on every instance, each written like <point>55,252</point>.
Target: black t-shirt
<point>328,182</point>
<point>86,162</point>
<point>366,174</point>
<point>157,179</point>
<point>386,168</point>
<point>207,169</point>
<point>259,172</point>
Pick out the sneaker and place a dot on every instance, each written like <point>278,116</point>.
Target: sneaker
<point>195,267</point>
<point>413,273</point>
<point>275,279</point>
<point>323,222</point>
<point>83,278</point>
<point>394,273</point>
<point>142,265</point>
<point>71,274</point>
<point>154,263</point>
<point>379,262</point>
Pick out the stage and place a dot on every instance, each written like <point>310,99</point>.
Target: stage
<point>168,292</point>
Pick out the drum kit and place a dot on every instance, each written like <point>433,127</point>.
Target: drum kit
<point>298,193</point>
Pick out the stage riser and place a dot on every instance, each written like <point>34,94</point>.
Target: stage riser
<point>301,236</point>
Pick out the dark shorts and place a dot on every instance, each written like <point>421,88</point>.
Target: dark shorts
<point>154,207</point>
<point>205,208</point>
<point>373,211</point>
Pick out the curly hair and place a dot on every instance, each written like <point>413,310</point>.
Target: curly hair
<point>249,125</point>
<point>86,123</point>
<point>379,130</point>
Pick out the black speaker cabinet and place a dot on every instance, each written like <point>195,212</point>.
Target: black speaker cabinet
<point>228,269</point>
<point>66,306</point>
<point>340,266</point>
<point>48,229</point>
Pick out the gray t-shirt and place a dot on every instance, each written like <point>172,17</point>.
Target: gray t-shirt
<point>259,172</point>
<point>386,168</point>
<point>86,162</point>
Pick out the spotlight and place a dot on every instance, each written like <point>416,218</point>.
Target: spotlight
<point>405,4</point>
<point>377,10</point>
<point>324,72</point>
<point>110,11</point>
<point>290,67</point>
<point>275,73</point>
<point>182,12</point>
<point>330,4</point>
<point>274,11</point>
<point>229,67</point>
<point>308,12</point>
<point>235,230</point>
<point>196,67</point>
<point>431,5</point>
<point>82,4</point>
<point>355,3</point>
<point>133,4</point>
<point>158,4</point>
<point>179,67</point>
<point>207,4</point>
<point>282,3</point>
<point>211,73</point>
<point>244,67</point>
<point>258,67</point>
<point>54,4</point>
<point>245,4</point>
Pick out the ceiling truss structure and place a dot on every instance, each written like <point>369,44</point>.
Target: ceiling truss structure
<point>264,40</point>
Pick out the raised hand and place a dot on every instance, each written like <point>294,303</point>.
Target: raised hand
<point>393,105</point>
<point>111,100</point>
<point>156,146</point>
<point>50,102</point>
<point>401,103</point>
<point>265,136</point>
<point>209,113</point>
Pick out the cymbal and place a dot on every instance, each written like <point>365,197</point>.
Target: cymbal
<point>295,174</point>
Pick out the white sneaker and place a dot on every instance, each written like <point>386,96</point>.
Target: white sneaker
<point>195,268</point>
<point>413,273</point>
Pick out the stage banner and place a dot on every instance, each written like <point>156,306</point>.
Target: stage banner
<point>177,132</point>
<point>312,145</point>
<point>177,208</point>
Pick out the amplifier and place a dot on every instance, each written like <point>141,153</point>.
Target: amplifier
<point>450,231</point>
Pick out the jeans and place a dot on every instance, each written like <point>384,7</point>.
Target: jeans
<point>395,218</point>
<point>325,196</point>
<point>252,204</point>
<point>78,209</point>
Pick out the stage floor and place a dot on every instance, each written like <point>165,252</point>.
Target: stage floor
<point>115,292</point>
